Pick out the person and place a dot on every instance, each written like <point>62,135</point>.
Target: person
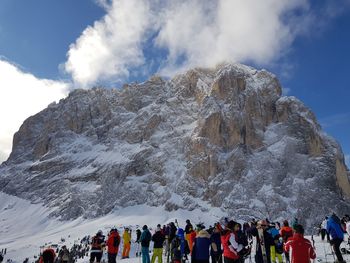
<point>201,245</point>
<point>229,244</point>
<point>215,248</point>
<point>113,245</point>
<point>324,229</point>
<point>300,247</point>
<point>286,232</point>
<point>48,256</point>
<point>158,238</point>
<point>1,257</point>
<point>64,255</point>
<point>263,242</point>
<point>127,243</point>
<point>335,231</point>
<point>188,230</point>
<point>145,241</point>
<point>276,249</point>
<point>97,245</point>
<point>138,242</point>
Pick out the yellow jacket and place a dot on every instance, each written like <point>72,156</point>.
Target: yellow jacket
<point>126,237</point>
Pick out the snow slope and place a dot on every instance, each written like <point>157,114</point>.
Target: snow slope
<point>25,227</point>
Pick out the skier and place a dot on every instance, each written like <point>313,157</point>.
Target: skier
<point>145,240</point>
<point>64,255</point>
<point>188,230</point>
<point>302,250</point>
<point>335,231</point>
<point>263,242</point>
<point>229,244</point>
<point>276,249</point>
<point>113,245</point>
<point>97,245</point>
<point>286,232</point>
<point>158,239</point>
<point>127,242</point>
<point>138,243</point>
<point>324,229</point>
<point>200,252</point>
<point>215,249</point>
<point>48,256</point>
<point>1,257</point>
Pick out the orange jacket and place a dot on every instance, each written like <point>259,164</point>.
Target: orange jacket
<point>286,232</point>
<point>113,243</point>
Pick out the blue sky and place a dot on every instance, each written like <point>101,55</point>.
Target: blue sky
<point>305,43</point>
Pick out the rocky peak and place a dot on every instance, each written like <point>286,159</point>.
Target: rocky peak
<point>221,137</point>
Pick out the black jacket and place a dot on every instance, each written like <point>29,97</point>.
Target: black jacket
<point>158,239</point>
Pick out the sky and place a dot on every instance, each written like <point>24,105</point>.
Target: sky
<point>50,47</point>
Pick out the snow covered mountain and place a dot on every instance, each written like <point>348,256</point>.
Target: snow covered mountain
<point>222,138</point>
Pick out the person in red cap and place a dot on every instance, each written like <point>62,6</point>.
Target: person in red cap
<point>300,249</point>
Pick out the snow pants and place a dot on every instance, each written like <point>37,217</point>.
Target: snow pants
<point>145,255</point>
<point>126,250</point>
<point>274,254</point>
<point>336,244</point>
<point>157,253</point>
<point>112,258</point>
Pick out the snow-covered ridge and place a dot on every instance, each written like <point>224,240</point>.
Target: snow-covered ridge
<point>222,137</point>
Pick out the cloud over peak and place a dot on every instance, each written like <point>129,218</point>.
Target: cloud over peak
<point>184,33</point>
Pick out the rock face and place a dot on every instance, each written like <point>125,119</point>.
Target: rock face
<point>222,137</point>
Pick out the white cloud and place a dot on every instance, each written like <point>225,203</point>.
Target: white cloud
<point>193,32</point>
<point>112,46</point>
<point>22,95</point>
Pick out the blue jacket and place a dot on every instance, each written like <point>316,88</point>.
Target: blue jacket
<point>273,232</point>
<point>334,228</point>
<point>202,244</point>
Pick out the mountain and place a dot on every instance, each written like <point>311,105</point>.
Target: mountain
<point>209,138</point>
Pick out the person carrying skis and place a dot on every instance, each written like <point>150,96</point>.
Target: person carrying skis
<point>230,246</point>
<point>113,245</point>
<point>158,238</point>
<point>263,242</point>
<point>127,243</point>
<point>200,252</point>
<point>97,245</point>
<point>145,239</point>
<point>335,231</point>
<point>48,256</point>
<point>300,247</point>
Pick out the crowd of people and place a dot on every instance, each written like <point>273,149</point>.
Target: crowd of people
<point>225,242</point>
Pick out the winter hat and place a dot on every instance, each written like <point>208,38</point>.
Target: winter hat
<point>144,227</point>
<point>188,221</point>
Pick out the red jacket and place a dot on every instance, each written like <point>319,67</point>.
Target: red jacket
<point>228,253</point>
<point>48,253</point>
<point>300,249</point>
<point>113,243</point>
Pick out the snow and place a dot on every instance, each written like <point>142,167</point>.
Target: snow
<point>26,227</point>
